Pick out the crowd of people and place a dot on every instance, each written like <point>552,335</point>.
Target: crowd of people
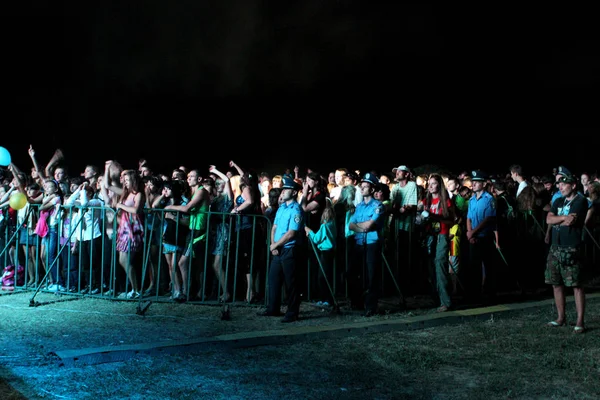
<point>301,235</point>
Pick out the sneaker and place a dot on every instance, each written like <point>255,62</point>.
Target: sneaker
<point>53,287</point>
<point>133,295</point>
<point>95,291</point>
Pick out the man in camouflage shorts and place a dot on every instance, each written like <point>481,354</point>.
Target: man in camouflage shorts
<point>563,268</point>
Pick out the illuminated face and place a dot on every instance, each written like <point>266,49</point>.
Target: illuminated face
<point>339,177</point>
<point>192,179</point>
<point>331,177</point>
<point>477,186</point>
<point>585,179</point>
<point>89,173</point>
<point>59,174</point>
<point>127,181</point>
<point>451,185</point>
<point>50,188</point>
<point>266,186</point>
<point>384,179</point>
<point>434,186</point>
<point>566,189</point>
<point>365,189</point>
<point>311,182</point>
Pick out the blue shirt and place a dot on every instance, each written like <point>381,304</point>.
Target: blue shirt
<point>479,210</point>
<point>373,210</point>
<point>289,217</point>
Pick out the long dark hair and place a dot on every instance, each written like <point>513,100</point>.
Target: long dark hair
<point>442,193</point>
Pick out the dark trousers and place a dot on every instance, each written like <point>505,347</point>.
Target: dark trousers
<point>364,275</point>
<point>91,260</point>
<point>283,269</point>
<point>326,259</point>
<point>482,253</point>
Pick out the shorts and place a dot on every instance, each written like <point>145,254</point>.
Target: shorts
<point>563,267</point>
<point>26,239</point>
<point>454,263</point>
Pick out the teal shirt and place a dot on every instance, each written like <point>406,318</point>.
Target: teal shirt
<point>324,238</point>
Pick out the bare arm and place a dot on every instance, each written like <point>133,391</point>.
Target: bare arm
<point>248,202</point>
<point>40,175</point>
<point>197,198</point>
<point>237,167</point>
<point>136,206</point>
<point>228,190</point>
<point>56,157</point>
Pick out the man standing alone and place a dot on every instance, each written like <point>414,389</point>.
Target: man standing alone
<point>563,269</point>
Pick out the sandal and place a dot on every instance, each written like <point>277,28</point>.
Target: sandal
<point>554,324</point>
<point>579,329</point>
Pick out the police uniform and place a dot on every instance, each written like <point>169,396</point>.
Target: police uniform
<point>284,264</point>
<point>366,257</point>
<point>482,252</point>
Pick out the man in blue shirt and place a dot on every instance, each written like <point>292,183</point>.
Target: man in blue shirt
<point>481,233</point>
<point>367,223</point>
<point>286,237</point>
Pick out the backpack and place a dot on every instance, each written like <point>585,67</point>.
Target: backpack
<point>8,277</point>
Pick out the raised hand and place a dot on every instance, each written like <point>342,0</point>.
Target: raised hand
<point>31,151</point>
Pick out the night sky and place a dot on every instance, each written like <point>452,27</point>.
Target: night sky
<point>459,86</point>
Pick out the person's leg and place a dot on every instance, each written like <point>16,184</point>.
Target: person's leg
<point>579,295</point>
<point>373,278</point>
<point>289,263</point>
<point>441,272</point>
<point>274,288</point>
<point>184,265</point>
<point>559,300</point>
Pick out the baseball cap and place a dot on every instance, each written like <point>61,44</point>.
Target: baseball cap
<point>401,168</point>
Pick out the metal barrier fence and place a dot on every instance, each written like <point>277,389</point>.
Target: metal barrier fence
<point>229,264</point>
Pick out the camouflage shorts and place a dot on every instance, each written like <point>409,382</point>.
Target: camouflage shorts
<point>563,266</point>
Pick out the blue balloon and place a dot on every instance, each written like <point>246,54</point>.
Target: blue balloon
<point>4,157</point>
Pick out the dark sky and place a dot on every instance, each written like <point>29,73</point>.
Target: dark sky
<point>412,81</point>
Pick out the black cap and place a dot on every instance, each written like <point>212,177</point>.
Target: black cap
<point>563,171</point>
<point>370,178</point>
<point>478,175</point>
<point>289,183</point>
<point>568,179</point>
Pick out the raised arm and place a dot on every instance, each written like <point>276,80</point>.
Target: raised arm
<point>56,157</point>
<point>237,167</point>
<point>225,178</point>
<point>106,182</point>
<point>40,175</point>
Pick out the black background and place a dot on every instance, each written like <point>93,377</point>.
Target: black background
<point>322,84</point>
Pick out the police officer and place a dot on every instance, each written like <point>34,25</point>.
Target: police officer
<point>481,233</point>
<point>367,222</point>
<point>286,238</point>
